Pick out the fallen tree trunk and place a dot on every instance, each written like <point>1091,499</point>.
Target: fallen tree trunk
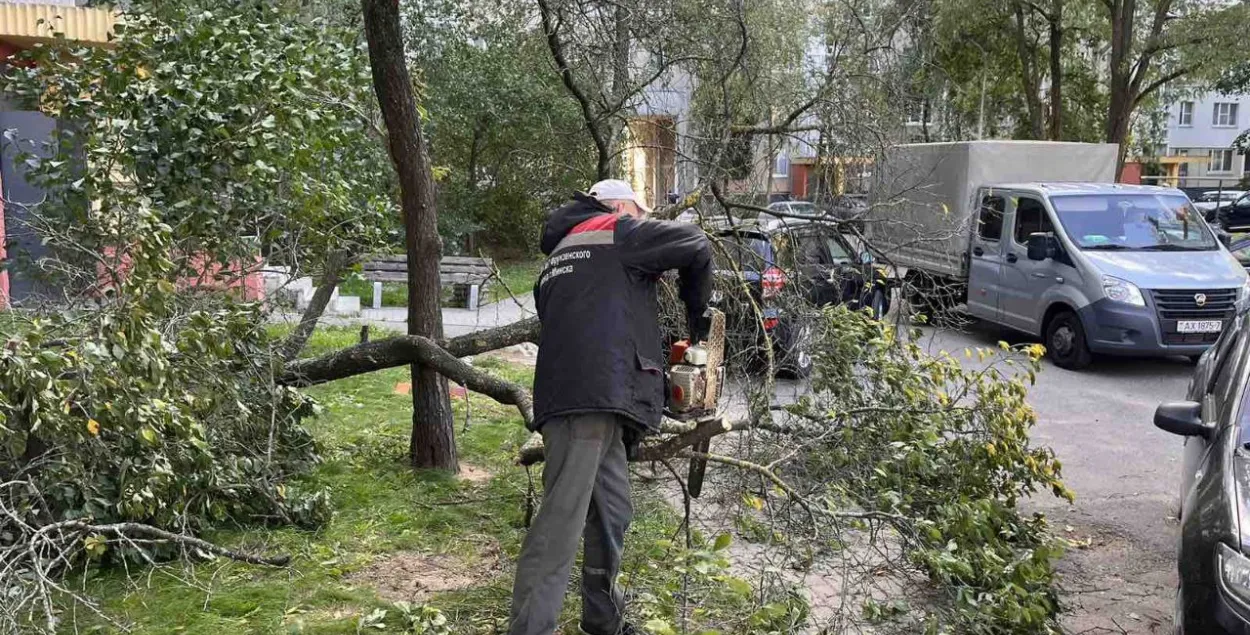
<point>400,351</point>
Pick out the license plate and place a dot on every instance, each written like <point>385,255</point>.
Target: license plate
<point>1199,326</point>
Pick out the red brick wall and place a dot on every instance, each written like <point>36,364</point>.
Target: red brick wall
<point>1131,173</point>
<point>798,181</point>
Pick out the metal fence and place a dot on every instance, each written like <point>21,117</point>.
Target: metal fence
<point>1196,186</point>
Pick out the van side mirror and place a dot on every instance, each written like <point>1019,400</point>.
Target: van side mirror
<point>1183,418</point>
<point>1042,246</point>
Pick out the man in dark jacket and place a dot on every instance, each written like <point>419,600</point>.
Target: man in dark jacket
<point>598,387</point>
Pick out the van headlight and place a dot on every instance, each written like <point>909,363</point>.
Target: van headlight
<point>1122,291</point>
<point>1234,572</point>
<point>1243,295</point>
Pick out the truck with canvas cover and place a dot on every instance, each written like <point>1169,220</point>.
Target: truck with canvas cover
<point>1036,236</point>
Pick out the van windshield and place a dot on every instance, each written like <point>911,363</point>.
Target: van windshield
<point>1133,222</point>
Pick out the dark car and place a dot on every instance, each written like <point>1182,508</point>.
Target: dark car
<point>790,268</point>
<point>1214,591</point>
<point>1239,246</point>
<point>1236,215</point>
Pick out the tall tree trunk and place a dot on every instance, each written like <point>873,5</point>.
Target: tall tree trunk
<point>1122,100</point>
<point>1029,80</point>
<point>433,441</point>
<point>470,181</point>
<point>597,125</point>
<point>610,164</point>
<point>331,275</point>
<point>1055,20</point>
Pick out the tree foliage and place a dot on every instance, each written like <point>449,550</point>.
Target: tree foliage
<point>245,131</point>
<point>503,133</point>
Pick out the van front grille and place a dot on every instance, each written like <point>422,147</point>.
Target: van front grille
<point>1174,305</point>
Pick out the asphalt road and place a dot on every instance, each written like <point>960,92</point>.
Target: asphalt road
<point>1120,575</point>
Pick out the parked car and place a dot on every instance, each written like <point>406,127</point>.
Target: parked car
<point>790,268</point>
<point>1213,594</point>
<point>1212,200</point>
<point>845,209</point>
<point>805,209</point>
<point>1036,237</point>
<point>1235,215</point>
<point>1239,247</point>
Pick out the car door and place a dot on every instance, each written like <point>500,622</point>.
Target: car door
<point>1025,281</point>
<point>1236,215</point>
<point>1212,389</point>
<point>816,266</point>
<point>985,264</point>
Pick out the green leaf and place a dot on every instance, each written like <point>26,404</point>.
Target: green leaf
<point>659,627</point>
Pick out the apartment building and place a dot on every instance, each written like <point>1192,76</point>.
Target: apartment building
<point>1201,133</point>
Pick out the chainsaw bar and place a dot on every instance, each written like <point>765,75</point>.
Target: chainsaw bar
<point>711,396</point>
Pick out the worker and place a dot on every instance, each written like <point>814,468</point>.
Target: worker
<point>598,387</point>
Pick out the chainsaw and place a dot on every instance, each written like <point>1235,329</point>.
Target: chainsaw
<point>695,378</point>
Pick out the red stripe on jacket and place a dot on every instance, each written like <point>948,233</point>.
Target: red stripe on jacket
<point>602,222</point>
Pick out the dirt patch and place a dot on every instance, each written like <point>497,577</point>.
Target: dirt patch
<point>473,473</point>
<point>1110,583</point>
<point>414,577</point>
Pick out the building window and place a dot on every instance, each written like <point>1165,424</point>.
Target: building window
<point>1245,162</point>
<point>1221,162</point>
<point>1224,115</point>
<point>917,112</point>
<point>1186,116</point>
<point>781,165</point>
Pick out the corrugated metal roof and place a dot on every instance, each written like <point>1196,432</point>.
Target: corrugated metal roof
<point>30,23</point>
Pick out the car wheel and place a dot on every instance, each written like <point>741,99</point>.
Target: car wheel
<point>793,350</point>
<point>1065,342</point>
<point>877,304</point>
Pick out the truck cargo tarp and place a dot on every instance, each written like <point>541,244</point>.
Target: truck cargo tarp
<point>923,194</point>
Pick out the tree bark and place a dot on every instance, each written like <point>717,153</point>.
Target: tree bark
<point>330,278</point>
<point>433,443</point>
<point>1055,20</point>
<point>1029,80</point>
<point>595,124</point>
<point>392,352</point>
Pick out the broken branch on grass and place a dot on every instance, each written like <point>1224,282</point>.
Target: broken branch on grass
<point>393,352</point>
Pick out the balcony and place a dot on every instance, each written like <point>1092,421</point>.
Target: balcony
<point>23,23</point>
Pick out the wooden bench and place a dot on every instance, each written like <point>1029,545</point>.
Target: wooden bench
<point>466,275</point>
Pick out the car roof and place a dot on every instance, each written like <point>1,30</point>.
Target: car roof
<point>1062,188</point>
<point>768,225</point>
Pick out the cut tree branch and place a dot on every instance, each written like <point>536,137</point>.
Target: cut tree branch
<point>400,351</point>
<point>424,352</point>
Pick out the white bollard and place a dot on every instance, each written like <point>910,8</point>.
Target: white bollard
<point>377,295</point>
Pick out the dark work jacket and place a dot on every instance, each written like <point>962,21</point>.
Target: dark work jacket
<point>600,349</point>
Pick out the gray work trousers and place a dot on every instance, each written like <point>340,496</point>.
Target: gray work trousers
<point>585,495</point>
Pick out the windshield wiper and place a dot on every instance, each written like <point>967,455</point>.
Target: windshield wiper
<point>1107,247</point>
<point>1172,247</point>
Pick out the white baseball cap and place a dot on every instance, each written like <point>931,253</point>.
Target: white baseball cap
<point>617,190</point>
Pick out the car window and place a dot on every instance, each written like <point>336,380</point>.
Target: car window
<point>783,250</point>
<point>812,250</point>
<point>1031,219</point>
<point>990,220</point>
<point>838,250</point>
<point>1133,222</point>
<point>737,251</point>
<point>1226,353</point>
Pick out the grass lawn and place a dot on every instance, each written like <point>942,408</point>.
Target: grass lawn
<point>518,275</point>
<point>388,520</point>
